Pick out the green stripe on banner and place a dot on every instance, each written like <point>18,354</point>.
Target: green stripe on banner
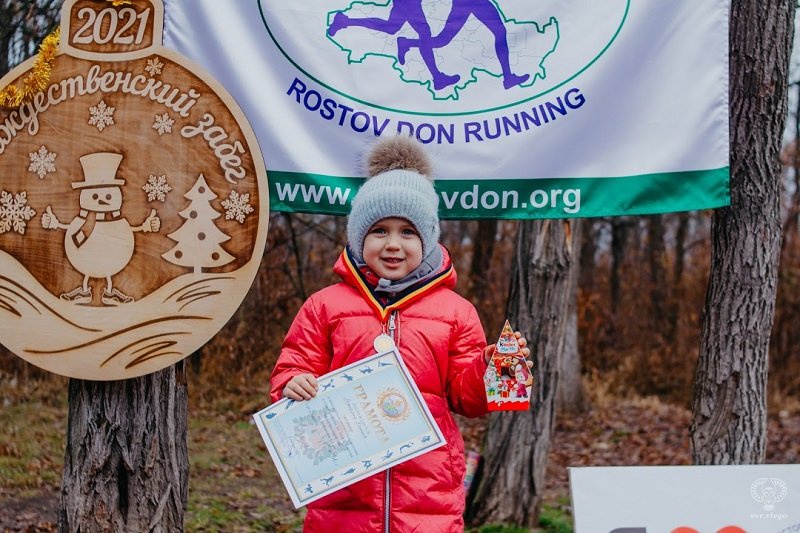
<point>520,199</point>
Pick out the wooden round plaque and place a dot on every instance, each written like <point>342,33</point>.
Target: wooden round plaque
<point>133,201</point>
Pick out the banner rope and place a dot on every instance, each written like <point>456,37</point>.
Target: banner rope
<point>39,76</point>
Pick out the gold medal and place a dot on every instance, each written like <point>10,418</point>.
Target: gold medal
<point>383,343</point>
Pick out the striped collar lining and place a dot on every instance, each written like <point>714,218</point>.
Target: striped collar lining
<point>399,300</point>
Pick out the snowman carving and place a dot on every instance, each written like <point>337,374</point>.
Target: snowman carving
<point>99,242</point>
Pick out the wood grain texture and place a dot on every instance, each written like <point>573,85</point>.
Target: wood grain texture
<point>96,29</point>
<point>139,202</point>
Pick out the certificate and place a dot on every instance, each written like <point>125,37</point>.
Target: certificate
<point>365,418</point>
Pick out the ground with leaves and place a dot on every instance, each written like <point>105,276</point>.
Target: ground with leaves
<point>234,487</point>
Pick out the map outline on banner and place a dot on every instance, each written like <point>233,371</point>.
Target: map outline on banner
<point>445,114</point>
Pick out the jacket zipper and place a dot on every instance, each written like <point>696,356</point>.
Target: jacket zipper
<point>387,495</point>
<point>387,500</point>
<point>393,326</point>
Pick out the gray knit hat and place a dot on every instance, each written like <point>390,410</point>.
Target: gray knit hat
<point>400,187</point>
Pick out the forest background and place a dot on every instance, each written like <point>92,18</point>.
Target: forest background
<point>635,327</point>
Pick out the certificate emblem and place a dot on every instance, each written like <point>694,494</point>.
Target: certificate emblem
<point>393,405</point>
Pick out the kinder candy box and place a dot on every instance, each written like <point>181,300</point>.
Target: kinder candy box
<point>508,379</point>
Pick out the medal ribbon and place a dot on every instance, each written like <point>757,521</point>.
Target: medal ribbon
<point>384,309</point>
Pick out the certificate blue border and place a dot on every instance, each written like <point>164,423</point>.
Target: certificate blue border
<point>362,467</point>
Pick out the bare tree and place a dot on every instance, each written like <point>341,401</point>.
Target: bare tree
<point>678,268</point>
<point>620,231</point>
<point>485,237</point>
<point>729,408</point>
<point>23,25</point>
<point>571,396</point>
<point>538,303</point>
<point>657,257</point>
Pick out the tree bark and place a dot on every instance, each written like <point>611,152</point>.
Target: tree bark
<point>127,463</point>
<point>729,408</point>
<point>516,444</point>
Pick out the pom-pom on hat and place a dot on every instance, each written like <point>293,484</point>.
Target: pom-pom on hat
<point>399,186</point>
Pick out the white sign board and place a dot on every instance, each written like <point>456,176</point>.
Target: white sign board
<point>686,499</point>
<point>545,109</point>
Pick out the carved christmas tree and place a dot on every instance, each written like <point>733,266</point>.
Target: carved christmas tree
<point>508,379</point>
<point>199,238</point>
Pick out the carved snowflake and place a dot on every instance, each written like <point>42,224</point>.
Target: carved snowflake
<point>237,206</point>
<point>101,115</point>
<point>14,214</point>
<point>42,162</point>
<point>163,124</point>
<point>154,67</point>
<point>157,188</point>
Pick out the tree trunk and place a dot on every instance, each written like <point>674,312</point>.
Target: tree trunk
<point>127,464</point>
<point>571,397</point>
<point>677,277</point>
<point>6,33</point>
<point>620,228</point>
<point>587,252</point>
<point>483,249</point>
<point>516,444</point>
<point>657,257</point>
<point>729,408</point>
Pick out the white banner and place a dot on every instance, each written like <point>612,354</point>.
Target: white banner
<point>686,499</point>
<point>529,109</point>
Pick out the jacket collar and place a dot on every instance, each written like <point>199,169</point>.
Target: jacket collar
<point>346,268</point>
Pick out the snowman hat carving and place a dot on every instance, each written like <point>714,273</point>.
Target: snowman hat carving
<point>99,170</point>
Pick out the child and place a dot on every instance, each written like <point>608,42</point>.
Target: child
<point>396,280</point>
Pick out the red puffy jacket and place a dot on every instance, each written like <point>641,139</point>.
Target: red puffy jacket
<point>440,338</point>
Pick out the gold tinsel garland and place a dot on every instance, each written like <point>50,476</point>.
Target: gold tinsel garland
<point>39,76</point>
<point>13,96</point>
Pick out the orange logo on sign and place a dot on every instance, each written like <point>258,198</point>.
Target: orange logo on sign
<point>726,529</point>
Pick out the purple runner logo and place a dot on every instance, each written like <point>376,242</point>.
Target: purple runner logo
<point>442,57</point>
<point>411,12</point>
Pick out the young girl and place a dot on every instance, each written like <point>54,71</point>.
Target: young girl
<point>397,280</point>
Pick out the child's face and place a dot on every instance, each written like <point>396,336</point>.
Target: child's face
<point>392,248</point>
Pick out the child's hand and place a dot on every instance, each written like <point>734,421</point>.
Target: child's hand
<point>523,342</point>
<point>301,387</point>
